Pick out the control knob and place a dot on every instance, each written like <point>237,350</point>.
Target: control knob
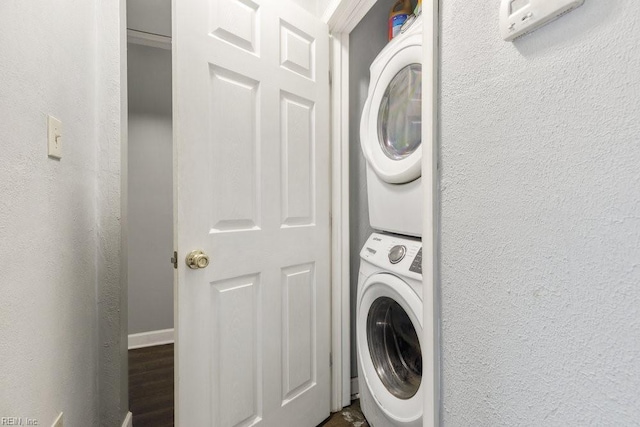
<point>397,253</point>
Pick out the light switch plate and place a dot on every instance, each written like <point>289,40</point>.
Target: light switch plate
<point>58,422</point>
<point>54,137</point>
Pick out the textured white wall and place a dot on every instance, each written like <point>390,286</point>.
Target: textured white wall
<point>540,218</point>
<point>150,190</point>
<point>58,256</point>
<point>151,16</point>
<point>111,212</point>
<point>48,344</point>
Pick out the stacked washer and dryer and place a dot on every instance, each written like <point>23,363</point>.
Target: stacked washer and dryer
<point>389,300</point>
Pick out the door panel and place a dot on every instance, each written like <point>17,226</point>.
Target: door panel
<point>235,348</point>
<point>298,330</point>
<point>298,165</point>
<point>236,22</point>
<point>235,184</point>
<point>251,99</point>
<point>297,51</point>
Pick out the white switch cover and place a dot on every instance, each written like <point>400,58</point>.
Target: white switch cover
<point>58,421</point>
<point>54,139</point>
<point>520,17</point>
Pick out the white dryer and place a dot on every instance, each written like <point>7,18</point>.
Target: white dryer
<point>391,135</point>
<point>389,331</point>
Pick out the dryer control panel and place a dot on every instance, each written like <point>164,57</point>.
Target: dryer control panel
<point>401,255</point>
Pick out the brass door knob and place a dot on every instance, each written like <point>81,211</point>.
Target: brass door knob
<point>197,259</point>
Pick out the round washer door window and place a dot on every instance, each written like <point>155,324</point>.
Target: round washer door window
<point>400,114</point>
<point>394,348</point>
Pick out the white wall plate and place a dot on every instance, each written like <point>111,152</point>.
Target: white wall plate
<point>520,17</point>
<point>54,137</point>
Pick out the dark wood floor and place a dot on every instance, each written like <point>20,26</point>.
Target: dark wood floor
<point>351,416</point>
<point>151,391</point>
<point>151,386</point>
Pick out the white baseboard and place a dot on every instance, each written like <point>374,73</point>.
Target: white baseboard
<point>149,339</point>
<point>355,390</point>
<point>128,420</point>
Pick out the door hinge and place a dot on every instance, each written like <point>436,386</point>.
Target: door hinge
<point>330,78</point>
<point>174,260</point>
<point>331,360</point>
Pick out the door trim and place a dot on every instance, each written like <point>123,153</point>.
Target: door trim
<point>151,338</point>
<point>147,39</point>
<point>431,209</point>
<point>342,16</point>
<point>340,269</point>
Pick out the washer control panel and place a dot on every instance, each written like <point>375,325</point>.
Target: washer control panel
<point>416,265</point>
<point>397,254</point>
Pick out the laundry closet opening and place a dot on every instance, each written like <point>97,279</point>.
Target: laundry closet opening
<point>366,41</point>
<point>386,196</point>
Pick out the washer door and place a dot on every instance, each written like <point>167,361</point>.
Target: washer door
<point>391,124</point>
<point>389,331</point>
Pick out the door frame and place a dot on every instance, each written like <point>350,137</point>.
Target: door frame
<point>343,16</point>
<point>431,209</point>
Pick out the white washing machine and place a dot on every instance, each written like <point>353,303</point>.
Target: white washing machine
<point>391,135</point>
<point>389,331</point>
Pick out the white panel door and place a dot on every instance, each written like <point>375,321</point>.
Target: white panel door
<point>251,100</point>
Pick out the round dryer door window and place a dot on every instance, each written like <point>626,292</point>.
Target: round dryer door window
<point>400,114</point>
<point>394,348</point>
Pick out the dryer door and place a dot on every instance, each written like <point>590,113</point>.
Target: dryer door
<point>391,124</point>
<point>389,330</point>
